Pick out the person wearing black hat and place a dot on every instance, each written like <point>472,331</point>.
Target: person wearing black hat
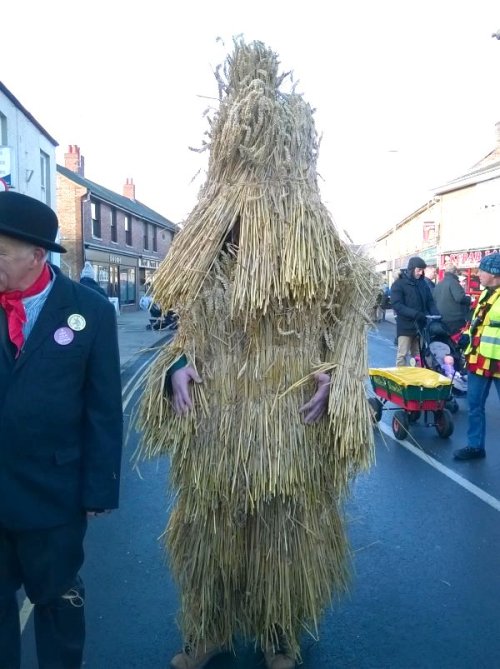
<point>482,341</point>
<point>61,427</point>
<point>411,300</point>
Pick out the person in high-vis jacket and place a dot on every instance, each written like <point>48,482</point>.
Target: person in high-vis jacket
<point>483,356</point>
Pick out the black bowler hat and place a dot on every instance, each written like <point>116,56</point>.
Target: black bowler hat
<point>29,220</point>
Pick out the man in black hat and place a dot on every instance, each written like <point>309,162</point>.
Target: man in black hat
<point>61,427</point>
<point>412,301</point>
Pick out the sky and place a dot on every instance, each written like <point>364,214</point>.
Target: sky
<point>407,95</point>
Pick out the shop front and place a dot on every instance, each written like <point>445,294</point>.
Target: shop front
<point>147,267</point>
<point>467,261</point>
<point>116,274</point>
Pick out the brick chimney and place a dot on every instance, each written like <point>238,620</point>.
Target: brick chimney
<point>129,189</point>
<point>74,161</point>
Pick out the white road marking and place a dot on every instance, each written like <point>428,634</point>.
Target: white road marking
<point>135,375</point>
<point>24,612</point>
<point>467,485</point>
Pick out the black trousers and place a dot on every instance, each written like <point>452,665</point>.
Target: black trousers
<point>46,562</point>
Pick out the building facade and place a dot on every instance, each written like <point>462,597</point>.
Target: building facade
<point>460,224</point>
<point>123,239</point>
<point>27,154</point>
<point>470,205</point>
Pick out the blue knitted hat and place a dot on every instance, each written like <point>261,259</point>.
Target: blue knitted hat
<point>491,264</point>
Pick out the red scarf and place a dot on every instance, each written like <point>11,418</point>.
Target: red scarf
<point>12,304</point>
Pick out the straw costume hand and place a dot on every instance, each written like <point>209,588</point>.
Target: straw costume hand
<point>318,404</point>
<point>181,395</point>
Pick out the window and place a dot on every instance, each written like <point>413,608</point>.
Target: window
<point>96,219</point>
<point>3,130</point>
<point>128,231</point>
<point>146,236</point>
<point>155,238</point>
<point>102,276</point>
<point>45,177</point>
<point>114,229</point>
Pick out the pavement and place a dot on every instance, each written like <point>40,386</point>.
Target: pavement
<point>133,337</point>
<point>390,316</point>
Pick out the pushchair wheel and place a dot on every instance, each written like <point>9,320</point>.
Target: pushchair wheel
<point>400,424</point>
<point>443,423</point>
<point>376,408</point>
<point>452,405</point>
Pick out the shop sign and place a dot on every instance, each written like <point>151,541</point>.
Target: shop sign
<point>465,258</point>
<point>149,263</point>
<point>429,255</point>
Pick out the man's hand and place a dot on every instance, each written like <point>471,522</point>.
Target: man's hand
<point>318,404</point>
<point>181,394</point>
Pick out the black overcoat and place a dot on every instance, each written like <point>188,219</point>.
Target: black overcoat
<point>60,413</point>
<point>409,298</point>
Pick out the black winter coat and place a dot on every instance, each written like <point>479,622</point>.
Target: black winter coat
<point>452,302</point>
<point>409,298</point>
<point>92,283</point>
<point>60,413</point>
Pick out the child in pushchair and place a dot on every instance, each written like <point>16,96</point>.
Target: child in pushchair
<point>440,352</point>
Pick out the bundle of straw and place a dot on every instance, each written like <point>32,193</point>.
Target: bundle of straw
<point>257,538</point>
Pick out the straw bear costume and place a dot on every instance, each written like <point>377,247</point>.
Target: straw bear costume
<point>256,538</point>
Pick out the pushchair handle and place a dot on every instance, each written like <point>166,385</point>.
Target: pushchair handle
<point>433,317</point>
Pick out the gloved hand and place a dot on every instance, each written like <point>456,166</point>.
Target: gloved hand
<point>421,318</point>
<point>464,340</point>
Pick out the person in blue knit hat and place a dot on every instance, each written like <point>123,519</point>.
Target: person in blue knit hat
<point>87,278</point>
<point>482,341</point>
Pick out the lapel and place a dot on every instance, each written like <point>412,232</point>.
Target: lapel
<point>51,317</point>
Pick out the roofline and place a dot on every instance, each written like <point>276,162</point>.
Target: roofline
<point>30,117</point>
<point>166,224</point>
<point>470,179</point>
<point>420,210</point>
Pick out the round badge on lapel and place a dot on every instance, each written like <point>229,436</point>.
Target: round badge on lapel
<point>64,336</point>
<point>76,322</point>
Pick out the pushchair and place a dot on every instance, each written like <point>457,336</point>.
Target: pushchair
<point>440,352</point>
<point>159,320</point>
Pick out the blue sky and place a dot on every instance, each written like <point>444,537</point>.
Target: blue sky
<point>407,95</point>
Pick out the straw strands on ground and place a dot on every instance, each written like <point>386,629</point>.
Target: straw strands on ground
<point>267,294</point>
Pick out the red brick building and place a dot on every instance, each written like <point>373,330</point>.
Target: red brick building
<point>123,239</point>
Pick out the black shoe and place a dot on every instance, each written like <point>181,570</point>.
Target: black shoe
<point>469,453</point>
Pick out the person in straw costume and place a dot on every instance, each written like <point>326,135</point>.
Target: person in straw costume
<point>259,400</point>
